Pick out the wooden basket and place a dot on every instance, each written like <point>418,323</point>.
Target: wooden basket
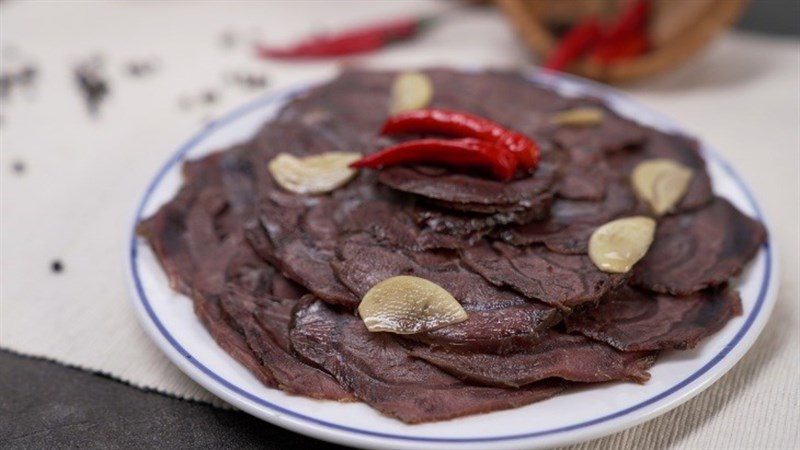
<point>678,29</point>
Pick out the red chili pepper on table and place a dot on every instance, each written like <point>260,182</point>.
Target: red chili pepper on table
<point>358,40</point>
<point>631,46</point>
<point>627,36</point>
<point>459,153</point>
<point>574,44</point>
<point>459,124</point>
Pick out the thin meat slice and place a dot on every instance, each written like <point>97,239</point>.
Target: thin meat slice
<point>681,149</point>
<point>499,320</point>
<point>186,236</point>
<point>561,280</point>
<point>572,222</point>
<point>249,274</point>
<point>699,249</point>
<point>378,371</point>
<point>470,227</point>
<point>388,217</point>
<point>473,194</point>
<point>208,310</point>
<point>569,357</point>
<point>614,133</point>
<point>633,320</point>
<point>264,321</point>
<point>298,235</point>
<point>585,176</point>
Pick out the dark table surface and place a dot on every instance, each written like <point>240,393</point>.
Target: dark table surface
<point>46,405</point>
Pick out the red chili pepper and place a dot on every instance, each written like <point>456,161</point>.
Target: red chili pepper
<point>358,40</point>
<point>574,44</point>
<point>459,124</point>
<point>631,46</point>
<point>459,153</point>
<point>627,36</point>
<point>631,21</point>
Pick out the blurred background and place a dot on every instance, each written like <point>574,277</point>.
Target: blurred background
<point>96,95</point>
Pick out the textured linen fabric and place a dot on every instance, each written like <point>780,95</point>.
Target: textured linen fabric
<point>83,176</point>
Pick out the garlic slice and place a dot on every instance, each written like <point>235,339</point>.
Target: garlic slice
<point>407,305</point>
<point>662,183</point>
<point>411,90</point>
<point>578,117</point>
<point>314,174</point>
<point>617,245</point>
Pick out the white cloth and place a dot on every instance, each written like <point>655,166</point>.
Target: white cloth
<point>83,176</point>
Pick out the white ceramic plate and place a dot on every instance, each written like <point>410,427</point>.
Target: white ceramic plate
<point>577,415</point>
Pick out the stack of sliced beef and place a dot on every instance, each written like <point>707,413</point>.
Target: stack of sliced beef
<point>276,276</point>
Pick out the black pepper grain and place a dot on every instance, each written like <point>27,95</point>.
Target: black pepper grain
<point>209,97</point>
<point>228,39</point>
<point>92,84</point>
<point>18,167</point>
<point>57,266</point>
<point>140,68</point>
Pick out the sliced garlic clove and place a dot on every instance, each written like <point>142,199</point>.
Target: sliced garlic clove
<point>314,174</point>
<point>578,117</point>
<point>407,305</point>
<point>617,245</point>
<point>411,90</point>
<point>662,183</point>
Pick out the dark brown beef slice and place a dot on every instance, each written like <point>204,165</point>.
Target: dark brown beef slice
<point>470,193</point>
<point>499,320</point>
<point>264,321</point>
<point>633,320</point>
<point>614,133</point>
<point>298,235</point>
<point>571,222</point>
<point>388,218</point>
<point>469,227</point>
<point>193,251</point>
<point>258,302</point>
<point>378,371</point>
<point>678,148</point>
<point>560,280</point>
<point>208,310</point>
<point>572,358</point>
<point>344,114</point>
<point>698,249</point>
<point>203,237</point>
<point>586,175</point>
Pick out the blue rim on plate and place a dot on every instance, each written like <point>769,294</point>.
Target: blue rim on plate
<point>535,76</point>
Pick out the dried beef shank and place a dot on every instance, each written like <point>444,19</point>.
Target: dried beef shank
<point>194,244</point>
<point>633,320</point>
<point>469,227</point>
<point>379,372</point>
<point>463,192</point>
<point>560,355</point>
<point>681,149</point>
<point>499,320</point>
<point>264,321</point>
<point>298,235</point>
<point>698,249</point>
<point>571,222</point>
<point>557,279</point>
<point>612,134</point>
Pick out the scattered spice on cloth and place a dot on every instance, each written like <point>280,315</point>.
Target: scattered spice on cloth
<point>57,266</point>
<point>18,167</point>
<point>246,80</point>
<point>138,68</point>
<point>93,85</point>
<point>16,77</point>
